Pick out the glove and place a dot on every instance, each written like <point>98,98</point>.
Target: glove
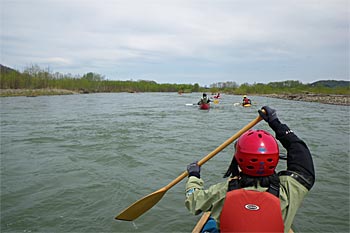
<point>194,169</point>
<point>270,114</point>
<point>271,118</point>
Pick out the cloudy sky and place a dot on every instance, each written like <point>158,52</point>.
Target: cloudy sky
<point>180,41</point>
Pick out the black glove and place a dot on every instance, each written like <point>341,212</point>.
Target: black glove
<point>271,118</point>
<point>270,114</point>
<point>194,169</point>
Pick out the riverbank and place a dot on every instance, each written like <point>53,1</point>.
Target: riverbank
<point>34,92</point>
<point>320,98</point>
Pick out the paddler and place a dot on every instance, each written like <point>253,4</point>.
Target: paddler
<point>255,197</point>
<point>246,100</point>
<point>204,99</point>
<point>217,96</point>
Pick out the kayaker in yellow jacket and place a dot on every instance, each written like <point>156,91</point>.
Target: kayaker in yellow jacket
<point>255,170</point>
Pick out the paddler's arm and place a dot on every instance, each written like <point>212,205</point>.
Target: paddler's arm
<point>197,199</point>
<point>299,160</point>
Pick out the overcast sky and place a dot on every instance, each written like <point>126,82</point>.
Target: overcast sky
<point>180,41</point>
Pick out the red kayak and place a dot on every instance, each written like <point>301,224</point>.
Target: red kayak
<point>204,106</point>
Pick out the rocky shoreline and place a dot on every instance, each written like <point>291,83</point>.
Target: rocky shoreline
<point>320,98</point>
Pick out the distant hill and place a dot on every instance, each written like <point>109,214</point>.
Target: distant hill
<point>5,69</point>
<point>330,83</point>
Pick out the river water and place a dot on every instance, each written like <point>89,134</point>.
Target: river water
<point>72,163</point>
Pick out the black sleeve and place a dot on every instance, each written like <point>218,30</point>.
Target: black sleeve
<point>299,158</point>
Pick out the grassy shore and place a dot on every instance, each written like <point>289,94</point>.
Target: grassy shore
<point>34,92</point>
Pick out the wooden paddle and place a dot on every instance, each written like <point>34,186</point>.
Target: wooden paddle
<point>147,202</point>
<point>202,221</point>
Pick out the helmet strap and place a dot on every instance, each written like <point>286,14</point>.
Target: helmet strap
<point>233,185</point>
<point>232,169</point>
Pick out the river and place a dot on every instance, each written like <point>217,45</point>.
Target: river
<point>72,163</point>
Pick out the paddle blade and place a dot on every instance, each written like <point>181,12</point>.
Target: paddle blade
<point>141,206</point>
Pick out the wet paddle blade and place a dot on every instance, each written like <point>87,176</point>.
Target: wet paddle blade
<point>141,206</point>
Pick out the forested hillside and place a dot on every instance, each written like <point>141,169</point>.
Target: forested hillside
<point>331,83</point>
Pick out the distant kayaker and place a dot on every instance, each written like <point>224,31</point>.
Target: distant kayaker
<point>204,99</point>
<point>217,96</point>
<point>246,100</point>
<point>255,197</point>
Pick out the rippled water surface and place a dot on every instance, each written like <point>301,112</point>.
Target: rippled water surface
<point>71,163</point>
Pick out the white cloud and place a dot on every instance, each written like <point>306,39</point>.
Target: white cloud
<point>58,60</point>
<point>202,35</point>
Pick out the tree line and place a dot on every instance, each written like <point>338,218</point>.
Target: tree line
<point>36,78</point>
<point>289,87</point>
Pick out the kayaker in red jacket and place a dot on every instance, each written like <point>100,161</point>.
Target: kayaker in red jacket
<point>217,96</point>
<point>252,173</point>
<point>246,100</point>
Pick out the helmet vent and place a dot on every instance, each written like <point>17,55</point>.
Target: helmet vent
<point>269,160</point>
<point>254,160</point>
<point>259,135</point>
<point>250,167</point>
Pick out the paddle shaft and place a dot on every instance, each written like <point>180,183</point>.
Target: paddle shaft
<point>141,206</point>
<point>217,150</point>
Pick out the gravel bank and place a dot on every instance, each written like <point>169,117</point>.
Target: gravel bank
<point>320,98</point>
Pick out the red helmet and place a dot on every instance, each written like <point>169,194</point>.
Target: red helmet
<point>257,153</point>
